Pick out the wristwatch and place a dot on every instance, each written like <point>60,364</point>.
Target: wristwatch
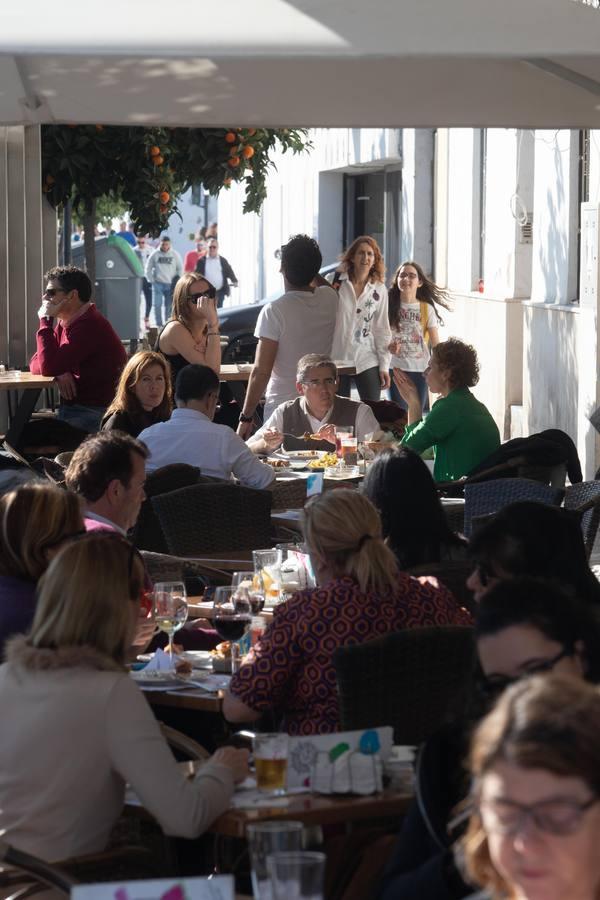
<point>244,418</point>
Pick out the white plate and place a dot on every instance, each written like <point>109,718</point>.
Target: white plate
<point>200,659</point>
<point>305,454</point>
<point>157,679</point>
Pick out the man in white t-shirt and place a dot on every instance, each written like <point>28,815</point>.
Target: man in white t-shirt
<point>301,321</point>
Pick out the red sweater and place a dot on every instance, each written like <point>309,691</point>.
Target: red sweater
<point>88,348</point>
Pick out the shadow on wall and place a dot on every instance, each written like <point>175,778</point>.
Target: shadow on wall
<point>553,251</point>
<point>551,370</point>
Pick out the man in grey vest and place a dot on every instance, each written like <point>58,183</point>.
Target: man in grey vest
<point>317,410</point>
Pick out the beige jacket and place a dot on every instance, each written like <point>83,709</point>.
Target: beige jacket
<point>75,728</point>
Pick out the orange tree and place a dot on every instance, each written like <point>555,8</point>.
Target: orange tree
<point>149,168</point>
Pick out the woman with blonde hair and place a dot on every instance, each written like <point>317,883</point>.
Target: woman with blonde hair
<point>192,333</point>
<point>144,395</point>
<point>35,520</point>
<point>361,595</point>
<point>535,764</point>
<point>77,729</point>
<point>362,331</point>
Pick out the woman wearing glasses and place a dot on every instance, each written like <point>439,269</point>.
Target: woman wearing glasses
<point>414,320</point>
<point>535,765</point>
<point>192,333</point>
<point>523,627</point>
<point>144,395</point>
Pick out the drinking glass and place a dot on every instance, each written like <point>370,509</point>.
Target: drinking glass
<point>344,431</point>
<point>270,762</point>
<point>170,608</point>
<point>297,875</point>
<point>231,617</point>
<point>267,565</point>
<point>249,584</point>
<point>264,839</point>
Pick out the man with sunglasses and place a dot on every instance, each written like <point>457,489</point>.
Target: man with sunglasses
<point>317,410</point>
<point>78,346</point>
<point>217,270</point>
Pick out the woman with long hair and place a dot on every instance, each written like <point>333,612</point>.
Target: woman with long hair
<point>76,729</point>
<point>361,595</point>
<point>144,395</point>
<point>459,428</point>
<point>192,333</point>
<point>35,521</point>
<point>535,765</point>
<point>414,319</point>
<point>362,331</point>
<point>400,486</point>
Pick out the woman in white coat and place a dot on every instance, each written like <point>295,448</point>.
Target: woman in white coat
<point>362,333</point>
<point>75,726</point>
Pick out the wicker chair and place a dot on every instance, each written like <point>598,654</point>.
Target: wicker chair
<point>453,574</point>
<point>412,680</point>
<point>147,533</point>
<point>184,746</point>
<point>487,497</point>
<point>289,494</point>
<point>584,498</point>
<point>214,518</point>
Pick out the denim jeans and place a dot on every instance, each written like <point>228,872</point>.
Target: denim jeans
<point>418,379</point>
<point>161,293</point>
<point>87,418</point>
<point>368,384</point>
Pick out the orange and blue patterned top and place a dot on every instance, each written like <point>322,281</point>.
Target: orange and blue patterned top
<point>290,670</point>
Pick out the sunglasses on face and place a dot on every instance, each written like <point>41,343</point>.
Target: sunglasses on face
<point>51,292</point>
<point>203,295</point>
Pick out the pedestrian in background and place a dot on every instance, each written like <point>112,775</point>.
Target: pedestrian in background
<point>163,267</point>
<point>217,271</point>
<point>143,252</point>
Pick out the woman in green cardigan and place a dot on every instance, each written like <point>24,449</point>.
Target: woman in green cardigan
<point>460,429</point>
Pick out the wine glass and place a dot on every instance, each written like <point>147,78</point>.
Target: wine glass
<point>249,584</point>
<point>170,608</point>
<point>232,615</point>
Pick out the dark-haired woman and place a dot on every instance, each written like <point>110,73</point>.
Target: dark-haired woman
<point>400,486</point>
<point>459,427</point>
<point>144,395</point>
<point>413,299</point>
<point>362,332</point>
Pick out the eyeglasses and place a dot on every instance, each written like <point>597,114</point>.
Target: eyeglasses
<point>492,687</point>
<point>317,382</point>
<point>204,295</point>
<point>50,292</point>
<point>558,817</point>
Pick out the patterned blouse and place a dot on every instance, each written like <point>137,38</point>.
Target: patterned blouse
<point>291,670</point>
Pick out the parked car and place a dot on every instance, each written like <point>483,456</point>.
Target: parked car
<point>238,324</point>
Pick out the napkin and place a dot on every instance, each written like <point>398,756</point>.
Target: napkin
<point>160,662</point>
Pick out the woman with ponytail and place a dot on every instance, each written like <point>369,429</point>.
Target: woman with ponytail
<point>361,595</point>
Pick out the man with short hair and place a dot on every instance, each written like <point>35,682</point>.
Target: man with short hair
<point>190,436</point>
<point>318,410</point>
<point>126,233</point>
<point>108,470</point>
<point>82,351</point>
<point>143,251</point>
<point>163,267</point>
<point>217,270</point>
<point>301,321</point>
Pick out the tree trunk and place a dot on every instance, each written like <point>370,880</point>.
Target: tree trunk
<point>89,224</point>
<point>66,234</point>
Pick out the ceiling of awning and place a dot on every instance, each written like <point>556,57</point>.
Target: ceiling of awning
<point>340,63</point>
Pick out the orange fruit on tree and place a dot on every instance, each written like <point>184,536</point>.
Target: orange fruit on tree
<point>230,137</point>
<point>234,162</point>
<point>248,152</point>
<point>155,151</point>
<point>158,160</point>
<point>164,209</point>
<point>164,197</point>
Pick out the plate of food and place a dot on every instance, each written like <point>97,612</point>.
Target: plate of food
<point>325,460</point>
<point>221,658</point>
<point>278,462</point>
<point>304,454</point>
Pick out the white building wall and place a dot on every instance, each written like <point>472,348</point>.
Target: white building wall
<point>417,196</point>
<point>463,208</point>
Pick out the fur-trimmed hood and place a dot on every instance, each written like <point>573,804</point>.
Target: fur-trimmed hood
<point>20,653</point>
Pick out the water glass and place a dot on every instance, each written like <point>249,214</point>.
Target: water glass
<point>170,608</point>
<point>297,875</point>
<point>264,839</point>
<point>267,565</point>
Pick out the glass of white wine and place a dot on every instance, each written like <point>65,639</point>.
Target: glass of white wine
<point>170,608</point>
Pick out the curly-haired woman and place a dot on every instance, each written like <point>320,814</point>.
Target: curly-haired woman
<point>362,331</point>
<point>414,320</point>
<point>459,427</point>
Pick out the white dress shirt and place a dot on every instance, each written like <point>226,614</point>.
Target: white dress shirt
<point>213,271</point>
<point>366,423</point>
<point>191,437</point>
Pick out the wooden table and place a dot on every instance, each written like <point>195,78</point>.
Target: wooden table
<point>30,387</point>
<point>316,809</point>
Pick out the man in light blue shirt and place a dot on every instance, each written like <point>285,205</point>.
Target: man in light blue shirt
<point>190,436</point>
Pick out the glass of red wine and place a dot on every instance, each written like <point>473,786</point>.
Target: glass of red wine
<point>232,615</point>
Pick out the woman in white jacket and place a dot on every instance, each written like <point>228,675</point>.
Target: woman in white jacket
<point>362,332</point>
<point>76,728</point>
